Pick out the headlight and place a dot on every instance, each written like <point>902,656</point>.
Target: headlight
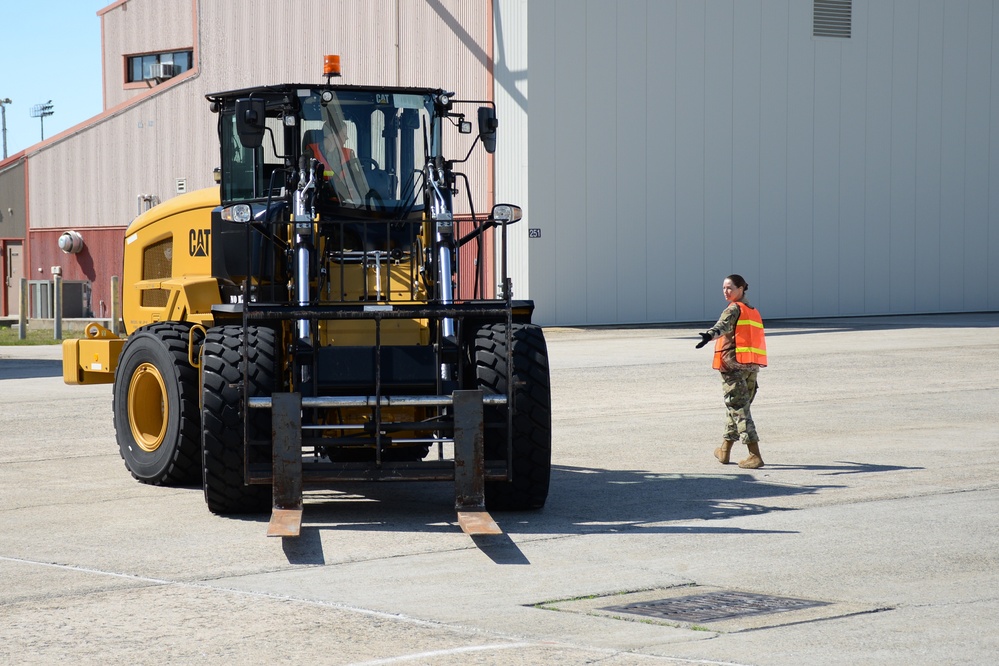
<point>237,213</point>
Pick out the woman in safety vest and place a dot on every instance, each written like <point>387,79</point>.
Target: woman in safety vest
<point>740,352</point>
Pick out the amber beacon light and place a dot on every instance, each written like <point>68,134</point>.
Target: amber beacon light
<point>331,66</point>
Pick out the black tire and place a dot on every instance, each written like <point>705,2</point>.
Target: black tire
<point>155,404</point>
<point>532,414</point>
<point>222,415</point>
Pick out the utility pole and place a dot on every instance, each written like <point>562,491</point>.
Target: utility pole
<point>3,114</point>
<point>40,111</point>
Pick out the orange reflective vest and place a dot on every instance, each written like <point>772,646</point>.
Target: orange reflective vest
<point>348,154</point>
<point>750,343</point>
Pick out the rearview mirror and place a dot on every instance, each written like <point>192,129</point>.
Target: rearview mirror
<point>487,127</point>
<point>250,121</point>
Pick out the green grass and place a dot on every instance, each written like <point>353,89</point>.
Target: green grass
<point>8,337</point>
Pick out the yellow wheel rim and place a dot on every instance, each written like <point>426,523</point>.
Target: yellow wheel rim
<point>147,407</point>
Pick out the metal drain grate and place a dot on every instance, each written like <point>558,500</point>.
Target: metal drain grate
<point>714,606</point>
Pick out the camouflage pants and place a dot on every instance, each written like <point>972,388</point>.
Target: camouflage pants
<point>739,387</point>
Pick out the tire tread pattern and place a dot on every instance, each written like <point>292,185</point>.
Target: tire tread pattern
<point>222,415</point>
<point>531,416</point>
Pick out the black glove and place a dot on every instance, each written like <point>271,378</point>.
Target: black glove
<point>705,339</point>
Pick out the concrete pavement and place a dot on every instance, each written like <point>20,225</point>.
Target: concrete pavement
<point>878,500</point>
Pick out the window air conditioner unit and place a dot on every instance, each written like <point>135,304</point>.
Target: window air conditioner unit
<point>162,70</point>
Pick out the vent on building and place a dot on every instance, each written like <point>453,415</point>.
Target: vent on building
<point>831,18</point>
<point>181,185</point>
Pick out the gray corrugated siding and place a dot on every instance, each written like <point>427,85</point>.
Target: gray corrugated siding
<point>510,74</point>
<point>12,218</point>
<point>675,142</point>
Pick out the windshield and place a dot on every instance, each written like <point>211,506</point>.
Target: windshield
<point>368,145</point>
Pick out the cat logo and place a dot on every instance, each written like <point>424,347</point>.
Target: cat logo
<point>200,244</point>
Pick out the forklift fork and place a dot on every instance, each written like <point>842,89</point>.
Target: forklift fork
<point>286,434</point>
<point>469,465</point>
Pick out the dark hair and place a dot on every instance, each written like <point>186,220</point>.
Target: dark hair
<point>739,281</point>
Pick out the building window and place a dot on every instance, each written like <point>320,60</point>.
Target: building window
<point>157,66</point>
<point>831,18</point>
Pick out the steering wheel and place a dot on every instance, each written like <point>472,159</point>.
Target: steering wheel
<point>373,200</point>
<point>363,164</point>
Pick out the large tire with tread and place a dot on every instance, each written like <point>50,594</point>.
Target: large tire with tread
<point>532,441</point>
<point>157,421</point>
<point>222,415</point>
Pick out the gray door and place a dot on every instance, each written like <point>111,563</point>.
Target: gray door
<point>14,271</point>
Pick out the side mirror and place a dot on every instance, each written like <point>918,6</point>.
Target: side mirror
<point>487,127</point>
<point>250,121</point>
<point>502,215</point>
<point>507,213</point>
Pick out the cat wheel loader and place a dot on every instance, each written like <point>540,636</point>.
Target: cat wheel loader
<point>304,323</point>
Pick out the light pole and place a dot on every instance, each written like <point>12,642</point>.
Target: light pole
<point>3,114</point>
<point>40,111</point>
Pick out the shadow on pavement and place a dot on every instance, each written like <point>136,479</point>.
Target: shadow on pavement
<point>845,467</point>
<point>581,501</point>
<point>597,500</point>
<point>306,549</point>
<point>500,548</point>
<point>29,368</point>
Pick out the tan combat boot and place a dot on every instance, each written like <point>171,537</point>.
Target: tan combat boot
<point>723,451</point>
<point>754,461</point>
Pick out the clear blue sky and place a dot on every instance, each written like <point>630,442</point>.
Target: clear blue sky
<point>49,50</point>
